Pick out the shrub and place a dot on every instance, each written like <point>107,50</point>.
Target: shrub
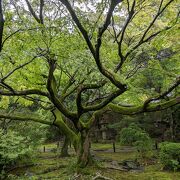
<point>13,147</point>
<point>170,155</point>
<point>135,136</point>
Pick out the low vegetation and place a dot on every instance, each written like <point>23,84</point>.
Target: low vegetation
<point>170,155</point>
<point>13,147</point>
<point>47,165</point>
<point>135,136</point>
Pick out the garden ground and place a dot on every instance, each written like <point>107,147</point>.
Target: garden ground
<point>48,165</point>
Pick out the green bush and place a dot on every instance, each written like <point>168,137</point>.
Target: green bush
<point>13,147</point>
<point>170,155</point>
<point>135,136</point>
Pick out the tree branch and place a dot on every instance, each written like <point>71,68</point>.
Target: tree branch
<point>161,96</point>
<point>38,102</point>
<point>140,109</point>
<point>160,11</point>
<point>150,38</point>
<point>41,12</point>
<point>143,39</point>
<point>102,29</point>
<point>79,25</point>
<point>21,30</point>
<point>65,95</point>
<point>23,117</point>
<point>1,25</point>
<point>53,93</point>
<point>33,12</point>
<point>24,92</point>
<point>83,88</point>
<point>6,86</point>
<point>122,32</point>
<point>95,52</point>
<point>104,102</point>
<point>17,68</point>
<point>69,84</point>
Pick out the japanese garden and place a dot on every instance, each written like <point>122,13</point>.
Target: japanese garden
<point>89,90</point>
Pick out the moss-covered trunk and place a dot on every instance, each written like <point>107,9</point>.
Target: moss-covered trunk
<point>80,140</point>
<point>84,157</point>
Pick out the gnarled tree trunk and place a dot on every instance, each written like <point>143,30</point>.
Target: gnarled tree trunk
<point>84,157</point>
<point>80,141</point>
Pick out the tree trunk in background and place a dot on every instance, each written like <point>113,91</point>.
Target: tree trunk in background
<point>64,149</point>
<point>172,127</point>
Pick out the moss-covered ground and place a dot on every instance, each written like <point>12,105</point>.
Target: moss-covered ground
<point>48,165</point>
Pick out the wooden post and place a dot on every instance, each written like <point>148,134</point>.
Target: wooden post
<point>114,147</point>
<point>44,149</point>
<point>156,145</point>
<point>58,145</point>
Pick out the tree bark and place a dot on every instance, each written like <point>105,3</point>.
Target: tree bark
<point>64,149</point>
<point>172,127</point>
<point>1,25</point>
<point>84,157</point>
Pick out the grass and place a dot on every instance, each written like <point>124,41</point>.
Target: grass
<point>103,146</point>
<point>117,156</point>
<point>50,166</point>
<point>147,175</point>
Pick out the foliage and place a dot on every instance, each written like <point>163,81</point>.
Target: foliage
<point>13,147</point>
<point>35,133</point>
<point>170,155</point>
<point>135,136</point>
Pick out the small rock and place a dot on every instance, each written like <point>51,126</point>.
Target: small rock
<point>114,163</point>
<point>29,174</point>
